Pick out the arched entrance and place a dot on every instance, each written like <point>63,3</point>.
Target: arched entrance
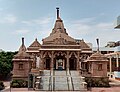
<point>72,62</point>
<point>60,62</point>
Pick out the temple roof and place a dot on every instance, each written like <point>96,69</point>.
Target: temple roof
<point>35,44</point>
<point>59,27</point>
<point>22,52</point>
<point>58,32</point>
<point>83,44</point>
<point>97,57</point>
<point>59,38</point>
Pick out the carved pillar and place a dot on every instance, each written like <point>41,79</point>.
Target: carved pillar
<point>67,65</point>
<point>56,65</point>
<point>52,61</point>
<point>110,64</point>
<point>78,64</point>
<point>63,64</point>
<point>52,67</point>
<point>41,61</point>
<point>37,60</point>
<point>34,61</point>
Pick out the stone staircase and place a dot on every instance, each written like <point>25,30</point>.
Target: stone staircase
<point>77,80</point>
<point>60,81</point>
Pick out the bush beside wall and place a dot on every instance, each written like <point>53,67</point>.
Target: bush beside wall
<point>97,81</point>
<point>19,83</point>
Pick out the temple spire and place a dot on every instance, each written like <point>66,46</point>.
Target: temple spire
<point>35,39</point>
<point>57,12</point>
<point>97,44</point>
<point>22,41</point>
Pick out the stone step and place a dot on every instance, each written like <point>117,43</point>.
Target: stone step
<point>60,81</point>
<point>60,73</point>
<point>74,73</point>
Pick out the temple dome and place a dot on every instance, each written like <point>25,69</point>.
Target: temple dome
<point>97,57</point>
<point>59,27</point>
<point>57,31</point>
<point>22,52</point>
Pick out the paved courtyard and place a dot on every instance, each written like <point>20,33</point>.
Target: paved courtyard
<point>111,89</point>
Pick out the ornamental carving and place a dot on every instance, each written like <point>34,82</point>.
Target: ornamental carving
<point>59,41</point>
<point>83,57</point>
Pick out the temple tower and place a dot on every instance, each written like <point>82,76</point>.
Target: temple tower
<point>22,63</point>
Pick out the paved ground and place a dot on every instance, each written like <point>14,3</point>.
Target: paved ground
<point>111,89</point>
<point>114,82</point>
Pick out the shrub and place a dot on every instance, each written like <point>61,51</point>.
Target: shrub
<point>15,85</point>
<point>19,83</point>
<point>97,82</point>
<point>1,85</point>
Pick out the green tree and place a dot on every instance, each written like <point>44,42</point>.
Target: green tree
<point>6,64</point>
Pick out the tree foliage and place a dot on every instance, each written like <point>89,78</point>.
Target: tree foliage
<point>6,64</point>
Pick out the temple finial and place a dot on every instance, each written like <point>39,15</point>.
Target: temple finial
<point>22,41</point>
<point>97,44</point>
<point>57,12</point>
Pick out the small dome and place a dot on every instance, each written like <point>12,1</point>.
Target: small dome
<point>22,55</point>
<point>22,52</point>
<point>97,57</point>
<point>22,48</point>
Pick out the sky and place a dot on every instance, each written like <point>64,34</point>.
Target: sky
<point>83,19</point>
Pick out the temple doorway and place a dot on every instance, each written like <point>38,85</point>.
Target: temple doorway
<point>60,62</point>
<point>73,62</point>
<point>47,62</point>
